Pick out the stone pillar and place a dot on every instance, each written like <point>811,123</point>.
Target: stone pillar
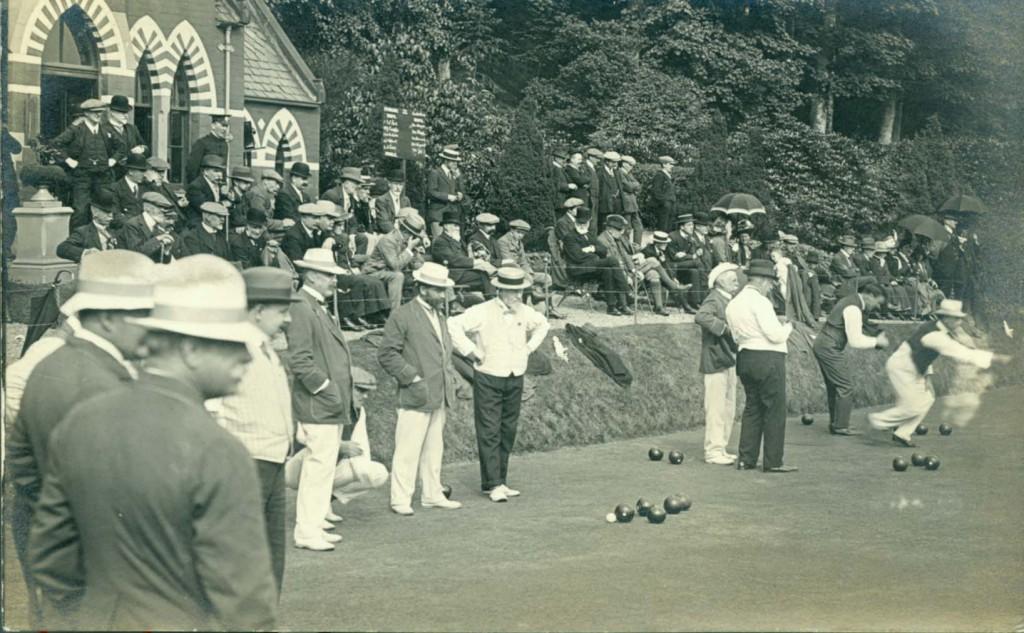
<point>42,225</point>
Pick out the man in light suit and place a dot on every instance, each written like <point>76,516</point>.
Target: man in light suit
<point>445,190</point>
<point>321,364</point>
<point>397,253</point>
<point>389,204</point>
<point>417,351</point>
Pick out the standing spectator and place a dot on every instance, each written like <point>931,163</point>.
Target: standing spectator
<point>498,336</point>
<point>577,176</point>
<point>445,191</point>
<point>720,244</point>
<point>112,287</point>
<point>561,186</point>
<point>844,326</point>
<point>950,267</point>
<point>591,167</point>
<point>396,254</point>
<point>587,260</point>
<point>511,252</point>
<point>663,194</point>
<point>609,199</point>
<point>240,182</point>
<point>321,365</point>
<point>97,235</point>
<point>718,363</point>
<point>629,187</point>
<point>149,232</point>
<point>686,253</point>
<point>123,138</point>
<point>85,150</point>
<point>447,250</point>
<point>417,352</point>
<point>9,146</point>
<point>128,190</point>
<point>215,143</point>
<point>207,187</point>
<point>761,367</point>
<point>167,533</point>
<point>389,204</point>
<point>744,247</point>
<point>208,236</point>
<point>292,193</point>
<point>843,270</point>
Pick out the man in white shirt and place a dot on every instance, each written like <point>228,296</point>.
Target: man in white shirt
<point>761,366</point>
<point>844,326</point>
<point>498,336</point>
<point>911,364</point>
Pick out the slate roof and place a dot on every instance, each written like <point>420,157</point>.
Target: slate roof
<point>271,63</point>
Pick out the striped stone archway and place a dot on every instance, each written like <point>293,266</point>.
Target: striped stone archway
<point>101,21</point>
<point>167,52</point>
<point>283,126</point>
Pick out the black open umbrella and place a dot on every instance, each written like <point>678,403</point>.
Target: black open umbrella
<point>742,203</point>
<point>964,204</point>
<point>926,226</point>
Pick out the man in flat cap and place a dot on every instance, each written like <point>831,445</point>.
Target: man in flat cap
<point>511,252</point>
<point>215,143</point>
<point>293,193</point>
<point>263,195</point>
<point>84,148</point>
<point>609,199</point>
<point>447,250</point>
<point>177,491</point>
<point>309,232</point>
<point>843,270</point>
<point>587,260</point>
<point>629,187</point>
<point>151,232</point>
<point>97,235</point>
<point>239,183</point>
<point>565,224</point>
<point>112,287</point>
<point>208,186</point>
<point>663,194</point>
<point>446,191</point>
<point>208,236</point>
<point>156,180</point>
<point>482,242</point>
<point>591,167</point>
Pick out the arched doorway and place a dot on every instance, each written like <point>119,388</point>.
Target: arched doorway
<point>178,122</point>
<point>69,72</point>
<point>281,155</point>
<point>144,101</point>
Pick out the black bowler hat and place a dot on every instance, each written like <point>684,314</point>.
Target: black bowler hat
<point>119,103</point>
<point>103,200</point>
<point>761,268</point>
<point>256,217</point>
<point>268,284</point>
<point>379,187</point>
<point>451,217</point>
<point>583,214</point>
<point>136,161</point>
<point>300,169</point>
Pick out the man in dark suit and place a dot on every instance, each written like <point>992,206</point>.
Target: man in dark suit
<point>292,193</point>
<point>128,190</point>
<point>85,150</point>
<point>156,180</point>
<point>241,181</point>
<point>248,246</point>
<point>862,258</point>
<point>168,534</point>
<point>586,260</point>
<point>445,191</point>
<point>389,204</point>
<point>123,138</point>
<point>207,187</point>
<point>208,237</point>
<point>150,232</point>
<point>843,271</point>
<point>307,233</point>
<point>566,223</point>
<point>663,194</point>
<point>561,186</point>
<point>417,351</point>
<point>95,236</point>
<point>112,287</point>
<point>609,200</point>
<point>590,167</point>
<point>215,143</point>
<point>685,252</point>
<point>321,365</point>
<point>577,176</point>
<point>482,243</point>
<point>951,265</point>
<point>447,250</point>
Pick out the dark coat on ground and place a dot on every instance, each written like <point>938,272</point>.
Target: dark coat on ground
<point>317,352</point>
<point>82,238</point>
<point>411,348</point>
<point>154,510</point>
<point>604,358</point>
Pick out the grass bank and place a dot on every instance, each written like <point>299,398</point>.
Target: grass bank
<point>578,405</point>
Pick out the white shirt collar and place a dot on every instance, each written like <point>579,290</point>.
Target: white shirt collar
<point>149,220</point>
<point>92,128</point>
<point>314,293</point>
<point>209,229</point>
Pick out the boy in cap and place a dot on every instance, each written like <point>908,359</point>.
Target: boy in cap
<point>498,336</point>
<point>215,143</point>
<point>97,235</point>
<point>85,150</point>
<point>150,232</point>
<point>113,286</point>
<point>417,351</point>
<point>181,491</point>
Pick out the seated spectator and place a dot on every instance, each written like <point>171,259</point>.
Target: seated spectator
<point>636,266</point>
<point>482,244</point>
<point>390,202</point>
<point>895,299</point>
<point>156,180</point>
<point>743,248</point>
<point>307,233</point>
<point>448,251</point>
<point>862,258</point>
<point>249,247</point>
<point>151,232</point>
<point>363,302</point>
<point>207,187</point>
<point>240,182</point>
<point>97,234</point>
<point>128,190</point>
<point>721,246</point>
<point>587,260</point>
<point>397,254</point>
<point>685,254</point>
<point>262,197</point>
<point>565,225</point>
<point>208,236</point>
<point>511,252</point>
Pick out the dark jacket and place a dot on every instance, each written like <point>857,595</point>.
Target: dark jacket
<point>198,240</point>
<point>297,241</point>
<point>154,510</point>
<point>844,273</point>
<point>594,189</point>
<point>564,225</point>
<point>122,141</point>
<point>287,201</point>
<point>579,177</point>
<point>576,260</point>
<point>128,204</point>
<point>90,150</point>
<point>485,247</point>
<point>246,250</point>
<point>203,146</point>
<point>200,190</point>
<point>82,238</point>
<point>559,183</point>
<point>317,352</point>
<point>663,191</point>
<point>629,187</point>
<point>717,347</point>
<point>604,358</point>
<point>439,186</point>
<point>450,252</point>
<point>411,348</point>
<point>137,236</point>
<point>687,245</point>
<point>651,250</point>
<point>386,212</point>
<point>609,199</point>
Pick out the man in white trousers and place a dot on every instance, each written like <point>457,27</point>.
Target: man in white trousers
<point>718,364</point>
<point>417,351</point>
<point>356,473</point>
<point>321,365</point>
<point>911,364</point>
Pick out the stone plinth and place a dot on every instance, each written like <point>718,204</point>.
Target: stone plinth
<point>42,225</point>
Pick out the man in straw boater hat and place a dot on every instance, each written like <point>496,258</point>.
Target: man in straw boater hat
<point>910,366</point>
<point>112,286</point>
<point>417,351</point>
<point>150,511</point>
<point>259,413</point>
<point>718,363</point>
<point>498,336</point>
<point>761,367</point>
<point>321,366</point>
<point>844,327</point>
